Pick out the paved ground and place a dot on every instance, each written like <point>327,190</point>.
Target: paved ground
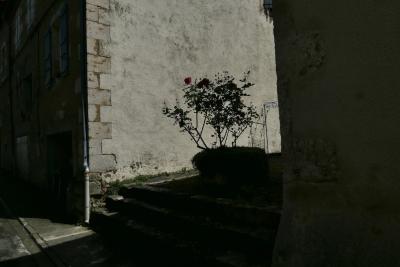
<point>28,237</point>
<point>17,247</point>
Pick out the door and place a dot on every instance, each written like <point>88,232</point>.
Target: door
<point>22,153</point>
<point>59,172</point>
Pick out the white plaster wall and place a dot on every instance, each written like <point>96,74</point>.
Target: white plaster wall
<point>154,45</point>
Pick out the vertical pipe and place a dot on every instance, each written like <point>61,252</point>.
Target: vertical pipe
<point>266,129</point>
<point>86,169</point>
<point>83,64</point>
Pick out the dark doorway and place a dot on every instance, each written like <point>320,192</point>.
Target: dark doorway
<point>59,173</point>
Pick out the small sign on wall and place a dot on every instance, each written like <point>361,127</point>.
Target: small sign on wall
<point>272,127</point>
<point>265,133</point>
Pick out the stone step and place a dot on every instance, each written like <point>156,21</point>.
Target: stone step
<point>221,210</point>
<point>256,243</point>
<point>152,247</point>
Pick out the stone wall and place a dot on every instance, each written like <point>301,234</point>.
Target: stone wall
<point>99,93</point>
<point>338,94</point>
<point>140,51</point>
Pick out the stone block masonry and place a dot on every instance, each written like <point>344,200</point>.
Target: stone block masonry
<point>99,87</point>
<point>152,46</point>
<point>140,51</point>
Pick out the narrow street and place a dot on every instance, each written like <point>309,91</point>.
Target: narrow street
<point>17,247</point>
<point>30,238</point>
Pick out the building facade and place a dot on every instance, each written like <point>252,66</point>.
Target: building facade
<point>139,53</point>
<point>41,129</point>
<point>85,82</point>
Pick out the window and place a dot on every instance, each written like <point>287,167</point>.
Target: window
<point>56,48</point>
<point>268,8</point>
<point>47,55</point>
<point>268,4</point>
<point>63,42</point>
<point>30,12</point>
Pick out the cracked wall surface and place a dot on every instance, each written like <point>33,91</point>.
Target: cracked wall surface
<point>140,52</point>
<point>338,96</point>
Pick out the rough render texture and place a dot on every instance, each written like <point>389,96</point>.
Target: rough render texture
<point>338,92</point>
<point>153,46</point>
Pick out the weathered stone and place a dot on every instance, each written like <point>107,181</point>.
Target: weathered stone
<point>99,64</point>
<point>95,188</point>
<point>95,146</point>
<point>104,16</point>
<point>94,113</point>
<point>92,46</point>
<point>99,97</point>
<point>106,114</point>
<point>102,163</point>
<point>101,3</point>
<point>100,130</point>
<point>92,12</point>
<point>105,81</point>
<point>104,48</point>
<point>93,80</point>
<point>151,54</point>
<point>98,31</point>
<point>107,146</point>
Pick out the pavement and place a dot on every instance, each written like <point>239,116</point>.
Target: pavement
<point>31,238</point>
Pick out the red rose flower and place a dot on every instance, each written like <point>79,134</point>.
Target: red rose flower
<point>188,80</point>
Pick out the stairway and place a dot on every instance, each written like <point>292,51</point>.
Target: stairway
<point>159,226</point>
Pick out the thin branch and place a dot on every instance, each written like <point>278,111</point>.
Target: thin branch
<point>204,123</point>
<point>200,134</point>
<point>197,119</point>
<point>194,139</point>
<point>225,139</point>
<point>240,133</point>
<point>219,136</point>
<point>200,138</point>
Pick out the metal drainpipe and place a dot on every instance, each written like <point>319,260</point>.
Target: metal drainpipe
<point>83,59</point>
